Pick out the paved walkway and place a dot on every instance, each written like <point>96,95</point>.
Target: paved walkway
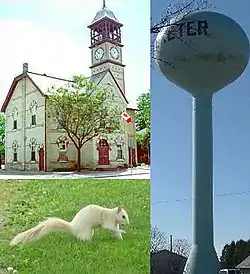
<point>131,173</point>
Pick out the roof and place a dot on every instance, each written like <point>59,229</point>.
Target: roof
<point>97,78</point>
<point>104,13</point>
<point>133,109</point>
<point>165,261</point>
<point>167,253</point>
<point>245,263</point>
<point>44,82</point>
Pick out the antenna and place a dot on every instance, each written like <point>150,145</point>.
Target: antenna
<point>103,4</point>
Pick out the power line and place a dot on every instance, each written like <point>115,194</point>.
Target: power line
<point>190,199</point>
<point>53,77</point>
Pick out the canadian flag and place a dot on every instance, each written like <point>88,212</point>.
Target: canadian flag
<point>126,117</point>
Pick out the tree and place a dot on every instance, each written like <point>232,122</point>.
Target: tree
<point>159,241</point>
<point>2,136</point>
<point>178,12</point>
<point>84,111</point>
<point>181,247</point>
<point>234,253</point>
<point>142,120</point>
<point>143,111</point>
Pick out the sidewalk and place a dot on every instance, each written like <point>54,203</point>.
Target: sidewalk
<point>131,173</point>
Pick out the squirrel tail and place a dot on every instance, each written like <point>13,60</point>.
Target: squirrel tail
<point>41,230</point>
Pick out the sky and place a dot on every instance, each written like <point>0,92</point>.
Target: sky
<point>53,38</point>
<point>171,148</point>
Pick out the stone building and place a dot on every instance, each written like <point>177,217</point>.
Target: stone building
<point>35,141</point>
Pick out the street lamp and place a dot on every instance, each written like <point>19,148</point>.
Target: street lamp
<point>202,53</point>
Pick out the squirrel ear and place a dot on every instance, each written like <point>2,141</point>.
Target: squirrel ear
<point>119,209</point>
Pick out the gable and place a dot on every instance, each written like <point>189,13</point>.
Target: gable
<point>11,92</point>
<point>36,82</point>
<point>107,80</point>
<point>16,89</point>
<point>15,101</point>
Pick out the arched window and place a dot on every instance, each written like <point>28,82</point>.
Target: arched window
<point>119,144</point>
<point>33,144</point>
<point>14,115</point>
<point>62,142</point>
<point>119,152</point>
<point>14,149</point>
<point>33,110</point>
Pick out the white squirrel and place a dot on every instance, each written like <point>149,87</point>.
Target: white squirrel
<point>82,226</point>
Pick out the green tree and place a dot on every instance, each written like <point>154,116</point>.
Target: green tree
<point>84,111</point>
<point>143,112</point>
<point>2,134</point>
<point>234,253</point>
<point>142,120</point>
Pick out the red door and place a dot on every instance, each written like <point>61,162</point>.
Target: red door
<point>132,158</point>
<point>103,153</point>
<point>41,159</point>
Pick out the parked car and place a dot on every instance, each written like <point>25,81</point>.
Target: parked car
<point>230,271</point>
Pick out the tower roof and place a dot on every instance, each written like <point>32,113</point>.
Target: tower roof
<point>104,13</point>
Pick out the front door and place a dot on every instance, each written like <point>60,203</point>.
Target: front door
<point>41,159</point>
<point>103,153</point>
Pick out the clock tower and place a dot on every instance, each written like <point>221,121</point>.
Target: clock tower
<point>106,45</point>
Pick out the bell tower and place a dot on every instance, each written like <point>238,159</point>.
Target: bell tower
<point>106,45</point>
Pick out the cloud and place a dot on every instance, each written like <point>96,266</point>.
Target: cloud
<point>57,44</point>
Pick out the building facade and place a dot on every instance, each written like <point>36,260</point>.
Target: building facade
<point>35,141</point>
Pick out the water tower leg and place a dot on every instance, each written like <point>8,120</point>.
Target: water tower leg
<point>203,258</point>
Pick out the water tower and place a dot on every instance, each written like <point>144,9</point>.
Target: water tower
<point>202,53</point>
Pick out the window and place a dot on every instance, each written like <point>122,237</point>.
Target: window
<point>119,151</point>
<point>14,156</point>
<point>33,119</point>
<point>33,155</point>
<point>33,110</point>
<point>32,145</point>
<point>14,149</point>
<point>14,115</point>
<point>62,142</point>
<point>15,124</point>
<point>62,145</point>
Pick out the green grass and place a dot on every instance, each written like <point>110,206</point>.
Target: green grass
<point>24,203</point>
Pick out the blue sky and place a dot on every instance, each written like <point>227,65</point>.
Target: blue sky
<point>52,36</point>
<point>171,148</point>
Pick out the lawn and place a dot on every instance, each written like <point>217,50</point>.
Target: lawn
<point>24,203</point>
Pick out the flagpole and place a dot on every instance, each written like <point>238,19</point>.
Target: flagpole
<point>131,161</point>
<point>128,119</point>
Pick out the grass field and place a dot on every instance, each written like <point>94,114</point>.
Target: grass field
<point>24,203</point>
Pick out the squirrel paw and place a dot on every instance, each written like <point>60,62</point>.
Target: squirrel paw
<point>122,231</point>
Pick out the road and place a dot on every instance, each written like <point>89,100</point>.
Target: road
<point>134,173</point>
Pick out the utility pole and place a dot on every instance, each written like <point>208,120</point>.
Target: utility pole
<point>171,243</point>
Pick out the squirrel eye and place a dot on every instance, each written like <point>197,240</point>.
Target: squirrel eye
<point>123,217</point>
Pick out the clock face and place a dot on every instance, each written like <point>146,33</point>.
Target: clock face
<point>114,52</point>
<point>99,53</point>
